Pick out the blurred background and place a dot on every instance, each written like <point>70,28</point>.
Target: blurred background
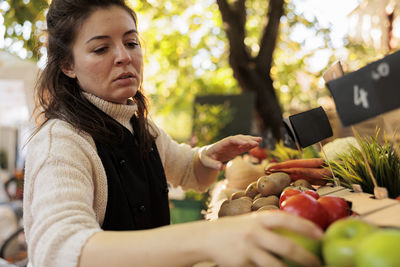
<point>200,56</point>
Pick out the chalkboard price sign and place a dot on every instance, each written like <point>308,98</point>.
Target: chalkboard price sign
<point>309,127</point>
<point>368,92</point>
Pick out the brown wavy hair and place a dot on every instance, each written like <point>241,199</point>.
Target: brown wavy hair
<point>59,97</point>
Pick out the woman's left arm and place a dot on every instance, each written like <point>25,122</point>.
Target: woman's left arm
<point>211,158</point>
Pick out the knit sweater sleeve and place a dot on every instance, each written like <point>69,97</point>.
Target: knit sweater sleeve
<point>178,161</point>
<point>59,196</point>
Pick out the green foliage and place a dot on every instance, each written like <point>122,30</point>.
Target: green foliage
<point>24,21</point>
<point>383,160</point>
<point>283,153</point>
<point>297,85</point>
<point>186,53</point>
<point>193,195</point>
<point>360,55</point>
<point>211,121</point>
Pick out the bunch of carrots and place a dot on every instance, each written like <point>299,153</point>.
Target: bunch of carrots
<point>313,170</point>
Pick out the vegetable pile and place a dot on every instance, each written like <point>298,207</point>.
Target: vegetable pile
<point>259,195</point>
<point>312,170</point>
<point>290,193</point>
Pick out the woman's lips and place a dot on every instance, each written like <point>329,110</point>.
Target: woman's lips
<point>125,81</point>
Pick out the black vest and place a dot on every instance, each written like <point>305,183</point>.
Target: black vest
<point>137,187</point>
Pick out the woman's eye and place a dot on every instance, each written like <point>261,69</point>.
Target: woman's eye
<point>100,50</point>
<point>132,44</point>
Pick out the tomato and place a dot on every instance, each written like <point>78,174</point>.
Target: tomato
<point>258,152</point>
<point>288,192</point>
<point>307,207</point>
<point>336,207</point>
<point>312,193</point>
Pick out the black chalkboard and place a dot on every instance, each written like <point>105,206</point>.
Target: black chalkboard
<point>368,92</point>
<point>309,127</point>
<point>234,115</point>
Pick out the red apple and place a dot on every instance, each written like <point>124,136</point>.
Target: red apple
<point>288,192</point>
<point>336,207</point>
<point>312,193</point>
<point>291,191</point>
<point>307,207</point>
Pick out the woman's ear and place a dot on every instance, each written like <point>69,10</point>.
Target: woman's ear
<point>68,69</point>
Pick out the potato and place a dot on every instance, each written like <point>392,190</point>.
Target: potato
<point>268,207</point>
<point>303,183</point>
<point>257,196</point>
<point>251,190</point>
<point>282,179</point>
<point>264,185</point>
<point>235,207</point>
<point>273,184</point>
<point>248,198</point>
<point>238,194</point>
<point>264,201</point>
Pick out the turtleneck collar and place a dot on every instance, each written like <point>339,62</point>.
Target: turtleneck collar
<point>119,112</point>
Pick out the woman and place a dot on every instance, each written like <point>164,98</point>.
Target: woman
<point>97,168</point>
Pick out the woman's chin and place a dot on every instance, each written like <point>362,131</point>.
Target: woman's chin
<point>124,96</point>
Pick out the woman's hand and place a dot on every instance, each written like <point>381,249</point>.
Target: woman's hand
<point>214,155</point>
<point>248,240</point>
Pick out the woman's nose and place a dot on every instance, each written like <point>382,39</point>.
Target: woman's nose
<point>122,55</point>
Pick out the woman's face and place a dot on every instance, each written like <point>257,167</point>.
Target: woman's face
<point>107,58</point>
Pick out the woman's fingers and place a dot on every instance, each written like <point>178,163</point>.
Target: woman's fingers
<point>242,140</point>
<point>212,156</point>
<point>261,258</point>
<point>284,247</point>
<point>254,242</point>
<point>230,147</point>
<point>291,222</point>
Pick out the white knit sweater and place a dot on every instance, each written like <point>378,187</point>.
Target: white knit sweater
<point>65,191</point>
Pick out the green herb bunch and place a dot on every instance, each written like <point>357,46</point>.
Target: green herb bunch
<point>383,159</point>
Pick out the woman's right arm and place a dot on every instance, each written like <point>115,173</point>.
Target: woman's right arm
<point>62,228</point>
<point>59,195</point>
<point>246,240</point>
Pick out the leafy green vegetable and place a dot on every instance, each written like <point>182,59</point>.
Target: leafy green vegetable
<point>350,167</point>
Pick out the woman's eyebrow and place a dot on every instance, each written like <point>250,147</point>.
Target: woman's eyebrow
<point>99,37</point>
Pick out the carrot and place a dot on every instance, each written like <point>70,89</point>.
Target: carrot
<point>295,163</point>
<point>313,181</point>
<point>313,173</point>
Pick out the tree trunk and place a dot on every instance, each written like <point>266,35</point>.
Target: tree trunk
<point>253,73</point>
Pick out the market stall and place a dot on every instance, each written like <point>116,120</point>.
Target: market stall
<point>350,187</point>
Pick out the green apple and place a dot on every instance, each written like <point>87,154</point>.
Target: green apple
<point>311,245</point>
<point>341,240</point>
<point>379,249</point>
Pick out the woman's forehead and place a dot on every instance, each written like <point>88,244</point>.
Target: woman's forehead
<point>105,21</point>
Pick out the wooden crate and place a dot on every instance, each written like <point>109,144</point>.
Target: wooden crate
<point>381,212</point>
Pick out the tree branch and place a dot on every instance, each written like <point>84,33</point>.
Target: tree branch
<point>270,35</point>
<point>239,7</point>
<point>234,18</point>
